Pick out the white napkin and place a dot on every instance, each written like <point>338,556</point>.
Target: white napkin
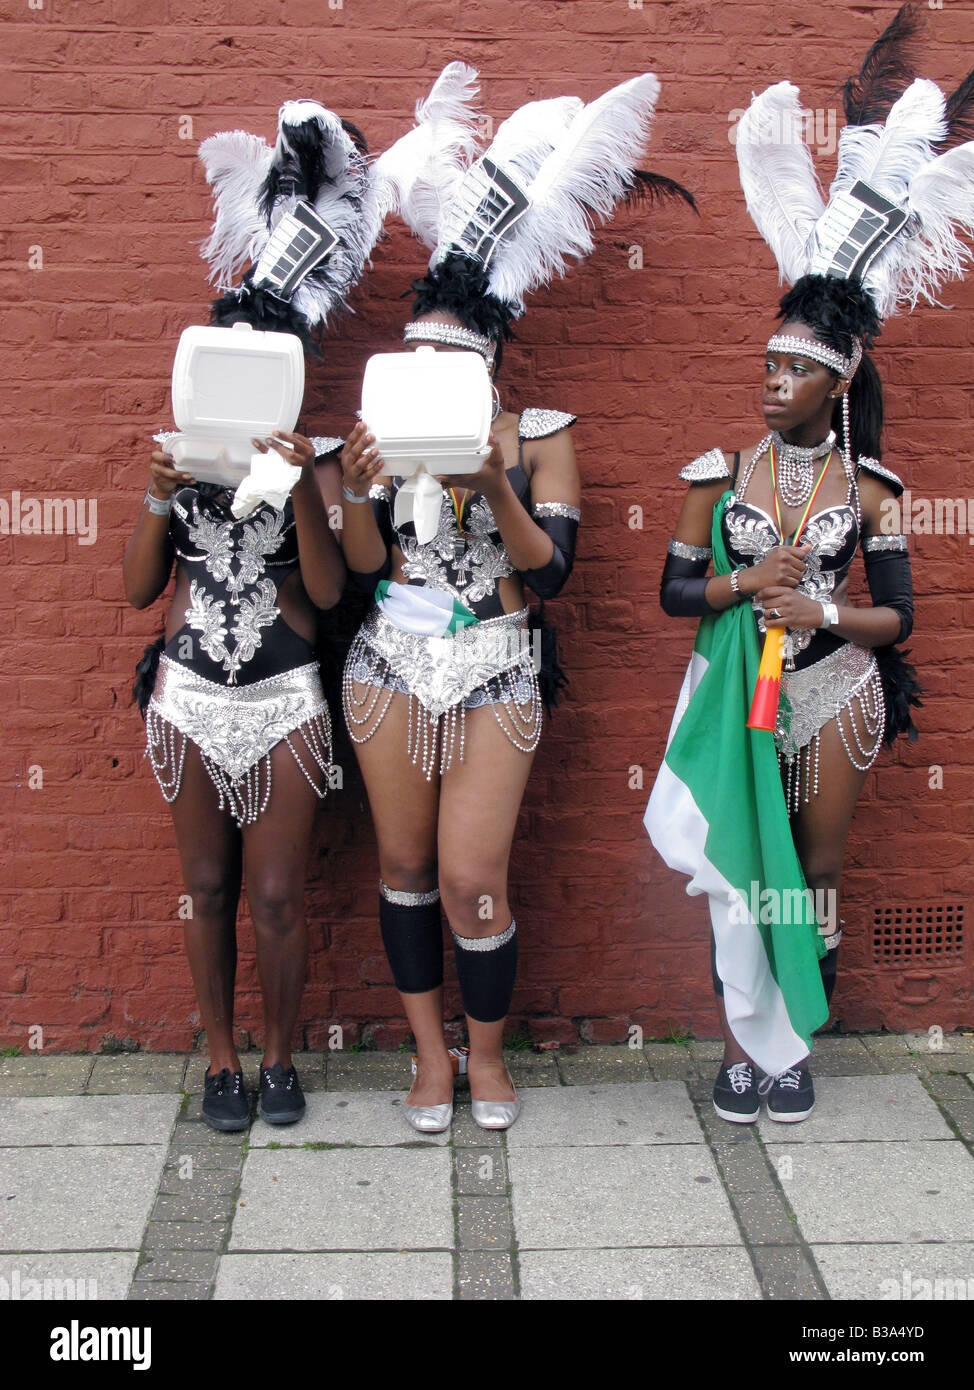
<point>270,480</point>
<point>418,500</point>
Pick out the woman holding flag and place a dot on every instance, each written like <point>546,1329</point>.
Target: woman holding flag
<point>756,793</point>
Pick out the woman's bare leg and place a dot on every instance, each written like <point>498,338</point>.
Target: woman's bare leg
<point>210,852</point>
<point>276,850</point>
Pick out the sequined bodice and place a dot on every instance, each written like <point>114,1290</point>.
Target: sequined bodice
<point>467,564</point>
<point>750,534</point>
<point>233,630</point>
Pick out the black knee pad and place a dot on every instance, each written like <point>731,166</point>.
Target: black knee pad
<point>486,967</point>
<point>413,937</point>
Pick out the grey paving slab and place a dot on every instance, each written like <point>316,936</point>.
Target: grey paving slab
<point>484,1223</point>
<point>344,1199</point>
<point>936,1043</point>
<point>913,1191</point>
<point>904,1272</point>
<point>39,1075</point>
<point>343,1117</point>
<point>178,1266</point>
<point>84,1198</point>
<point>786,1273</point>
<point>466,1133</point>
<point>859,1108</point>
<point>399,1274</point>
<point>949,1086</point>
<point>26,1121</point>
<point>641,1195</point>
<point>484,1274</point>
<point>842,1056</point>
<point>184,1235</point>
<point>641,1112</point>
<point>961,1114</point>
<point>602,1064</point>
<point>145,1291</point>
<point>532,1068</point>
<point>721,1273</point>
<point>368,1071</point>
<point>668,1062</point>
<point>480,1172</point>
<point>194,1204</point>
<point>764,1218</point>
<point>82,1275</point>
<point>138,1074</point>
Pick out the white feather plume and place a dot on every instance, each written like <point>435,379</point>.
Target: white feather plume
<point>930,249</point>
<point>418,175</point>
<point>888,155</point>
<point>584,176</point>
<point>780,185</point>
<point>236,164</point>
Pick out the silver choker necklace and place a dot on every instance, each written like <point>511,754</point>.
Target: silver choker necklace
<point>796,467</point>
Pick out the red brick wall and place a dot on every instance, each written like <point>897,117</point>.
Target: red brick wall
<point>660,363</point>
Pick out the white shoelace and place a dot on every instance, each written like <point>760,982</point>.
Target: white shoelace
<point>740,1078</point>
<point>792,1079</point>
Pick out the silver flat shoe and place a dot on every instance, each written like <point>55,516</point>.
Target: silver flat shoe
<point>430,1119</point>
<point>495,1114</point>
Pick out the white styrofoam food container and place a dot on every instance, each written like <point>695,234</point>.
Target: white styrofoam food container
<point>428,407</point>
<point>228,385</point>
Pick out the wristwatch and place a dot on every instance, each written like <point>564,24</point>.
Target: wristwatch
<point>830,615</point>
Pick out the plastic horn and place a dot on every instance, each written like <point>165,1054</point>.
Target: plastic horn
<point>764,706</point>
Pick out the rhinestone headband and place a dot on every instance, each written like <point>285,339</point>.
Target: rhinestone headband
<point>819,352</point>
<point>451,335</point>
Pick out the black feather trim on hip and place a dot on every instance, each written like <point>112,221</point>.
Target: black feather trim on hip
<point>145,674</point>
<point>552,678</point>
<point>901,689</point>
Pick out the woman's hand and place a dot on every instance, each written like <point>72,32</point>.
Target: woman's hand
<point>786,608</point>
<point>302,454</point>
<point>489,478</point>
<point>783,568</point>
<point>166,478</point>
<point>361,463</point>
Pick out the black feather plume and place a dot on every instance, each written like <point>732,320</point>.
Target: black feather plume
<point>959,115</point>
<point>656,188</point>
<point>265,312</point>
<point>886,72</point>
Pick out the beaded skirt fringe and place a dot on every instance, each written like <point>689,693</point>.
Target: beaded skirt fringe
<point>844,686</point>
<point>235,731</point>
<point>434,738</point>
<point>245,797</point>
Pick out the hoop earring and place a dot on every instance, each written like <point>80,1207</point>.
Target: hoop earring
<point>497,401</point>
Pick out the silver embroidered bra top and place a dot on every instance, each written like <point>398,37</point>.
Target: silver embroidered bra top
<point>233,631</point>
<point>833,532</point>
<point>468,564</point>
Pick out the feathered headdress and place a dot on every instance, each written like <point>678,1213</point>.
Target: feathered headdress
<point>304,212</point>
<point>505,222</point>
<point>902,198</point>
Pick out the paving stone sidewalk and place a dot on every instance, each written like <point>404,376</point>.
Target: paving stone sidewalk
<point>617,1182</point>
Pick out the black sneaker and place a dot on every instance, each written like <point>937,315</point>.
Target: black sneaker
<point>790,1095</point>
<point>226,1104</point>
<point>735,1095</point>
<point>281,1098</point>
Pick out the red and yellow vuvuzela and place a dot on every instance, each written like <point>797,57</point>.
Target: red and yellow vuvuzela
<point>764,705</point>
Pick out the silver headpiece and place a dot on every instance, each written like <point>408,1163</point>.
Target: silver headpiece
<point>451,335</point>
<point>819,352</point>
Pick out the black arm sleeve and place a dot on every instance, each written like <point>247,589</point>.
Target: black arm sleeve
<point>891,585</point>
<point>365,583</point>
<point>682,590</point>
<point>551,578</point>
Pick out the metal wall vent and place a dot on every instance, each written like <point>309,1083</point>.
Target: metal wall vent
<point>922,933</point>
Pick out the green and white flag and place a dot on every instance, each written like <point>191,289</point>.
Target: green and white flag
<point>419,609</point>
<point>717,813</point>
